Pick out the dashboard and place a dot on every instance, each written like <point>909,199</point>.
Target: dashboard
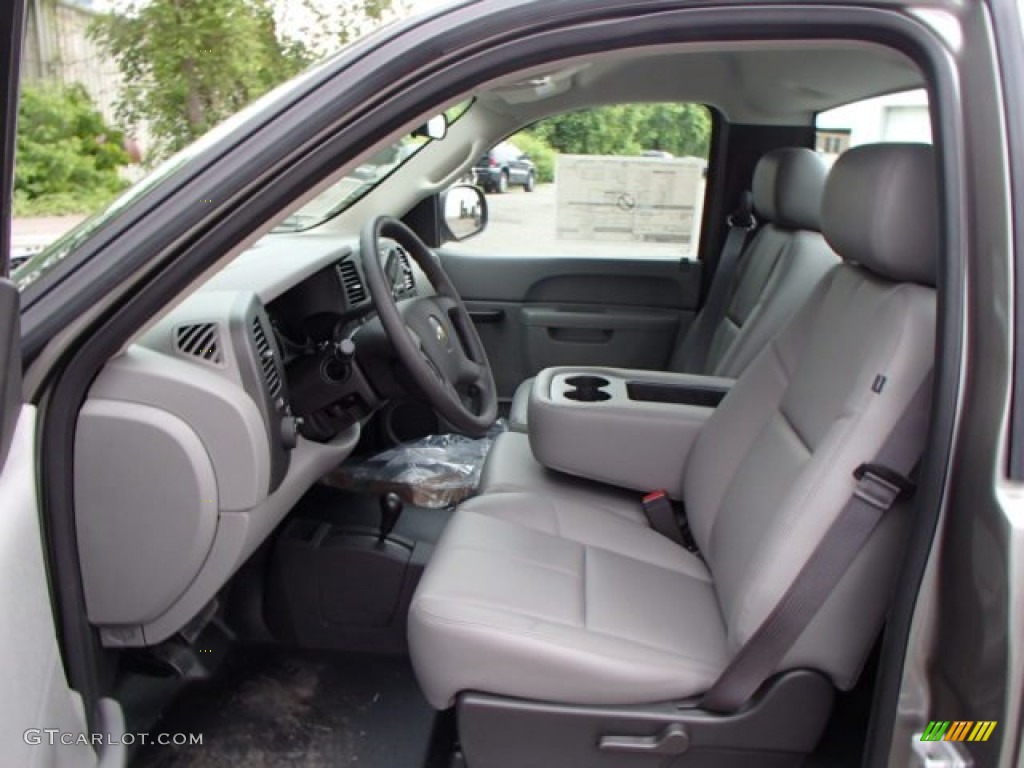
<point>336,296</point>
<point>243,396</point>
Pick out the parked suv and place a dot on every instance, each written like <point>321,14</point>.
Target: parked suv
<point>503,166</point>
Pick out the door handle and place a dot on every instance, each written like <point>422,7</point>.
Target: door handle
<point>487,315</point>
<point>673,740</point>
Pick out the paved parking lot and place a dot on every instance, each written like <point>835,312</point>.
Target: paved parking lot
<point>524,223</point>
<point>30,235</point>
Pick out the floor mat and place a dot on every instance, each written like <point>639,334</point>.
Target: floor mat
<point>308,710</point>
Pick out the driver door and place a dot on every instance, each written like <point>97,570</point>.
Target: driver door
<point>43,720</point>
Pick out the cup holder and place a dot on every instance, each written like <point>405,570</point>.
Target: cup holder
<point>588,395</point>
<point>587,382</point>
<point>587,389</point>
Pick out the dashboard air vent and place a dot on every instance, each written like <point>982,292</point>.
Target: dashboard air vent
<point>201,341</point>
<point>267,358</point>
<point>410,280</point>
<point>355,292</point>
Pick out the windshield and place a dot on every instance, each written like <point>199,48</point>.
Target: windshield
<point>362,180</point>
<point>367,176</point>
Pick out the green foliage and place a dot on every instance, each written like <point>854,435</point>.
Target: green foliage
<point>542,155</point>
<point>682,129</point>
<point>189,64</point>
<point>67,156</point>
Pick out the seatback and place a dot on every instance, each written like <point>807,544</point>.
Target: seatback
<point>774,465</point>
<point>778,270</point>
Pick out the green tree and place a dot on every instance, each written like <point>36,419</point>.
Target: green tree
<point>543,156</point>
<point>67,157</point>
<point>682,129</point>
<point>604,131</point>
<point>189,64</point>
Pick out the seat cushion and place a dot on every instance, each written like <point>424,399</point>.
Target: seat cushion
<point>512,610</point>
<point>511,467</point>
<point>576,521</point>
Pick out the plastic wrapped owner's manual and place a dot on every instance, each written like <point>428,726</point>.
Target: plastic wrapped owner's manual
<point>435,471</point>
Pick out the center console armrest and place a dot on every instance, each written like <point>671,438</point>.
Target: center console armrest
<point>633,429</point>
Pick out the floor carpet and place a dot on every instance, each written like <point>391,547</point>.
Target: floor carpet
<point>267,707</point>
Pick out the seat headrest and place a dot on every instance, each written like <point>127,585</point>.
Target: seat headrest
<point>881,211</point>
<point>788,188</point>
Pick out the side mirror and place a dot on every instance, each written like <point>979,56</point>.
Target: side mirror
<point>436,128</point>
<point>465,212</point>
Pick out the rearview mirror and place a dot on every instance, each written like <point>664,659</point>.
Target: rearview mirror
<point>465,212</point>
<point>435,128</point>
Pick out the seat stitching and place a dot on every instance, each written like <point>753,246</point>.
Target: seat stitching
<point>773,352</point>
<point>635,559</point>
<point>804,441</point>
<point>518,558</point>
<point>553,641</point>
<point>554,515</point>
<point>583,585</point>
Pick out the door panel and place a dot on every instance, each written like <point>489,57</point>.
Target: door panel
<point>36,693</point>
<point>536,312</point>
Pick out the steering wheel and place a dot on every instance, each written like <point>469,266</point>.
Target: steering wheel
<point>433,336</point>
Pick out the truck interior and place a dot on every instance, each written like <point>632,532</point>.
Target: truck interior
<point>566,613</point>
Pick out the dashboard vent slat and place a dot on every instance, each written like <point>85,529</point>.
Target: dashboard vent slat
<point>267,358</point>
<point>201,341</point>
<point>410,279</point>
<point>352,282</point>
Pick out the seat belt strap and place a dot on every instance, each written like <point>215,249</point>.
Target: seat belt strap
<point>741,224</point>
<point>879,484</point>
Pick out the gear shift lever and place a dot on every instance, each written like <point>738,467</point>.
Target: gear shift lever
<point>391,507</point>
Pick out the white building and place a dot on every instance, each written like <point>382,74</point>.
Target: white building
<point>896,117</point>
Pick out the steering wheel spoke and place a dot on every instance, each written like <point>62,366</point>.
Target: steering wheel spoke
<point>471,373</point>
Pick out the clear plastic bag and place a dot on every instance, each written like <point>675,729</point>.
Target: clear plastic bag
<point>435,471</point>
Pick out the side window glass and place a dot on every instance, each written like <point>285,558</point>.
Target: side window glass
<point>620,181</point>
<point>895,117</point>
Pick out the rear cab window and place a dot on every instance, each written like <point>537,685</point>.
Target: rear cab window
<point>897,117</point>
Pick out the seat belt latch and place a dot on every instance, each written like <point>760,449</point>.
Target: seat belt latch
<point>880,486</point>
<point>661,514</point>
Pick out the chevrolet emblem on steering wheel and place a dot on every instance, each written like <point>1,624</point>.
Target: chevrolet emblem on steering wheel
<point>439,330</point>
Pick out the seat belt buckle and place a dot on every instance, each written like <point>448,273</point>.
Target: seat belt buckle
<point>881,486</point>
<point>658,507</point>
<point>655,497</point>
<point>662,516</point>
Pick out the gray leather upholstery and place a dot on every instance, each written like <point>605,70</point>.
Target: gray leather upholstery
<point>788,186</point>
<point>880,214</point>
<point>507,609</point>
<point>541,596</point>
<point>511,467</point>
<point>777,272</point>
